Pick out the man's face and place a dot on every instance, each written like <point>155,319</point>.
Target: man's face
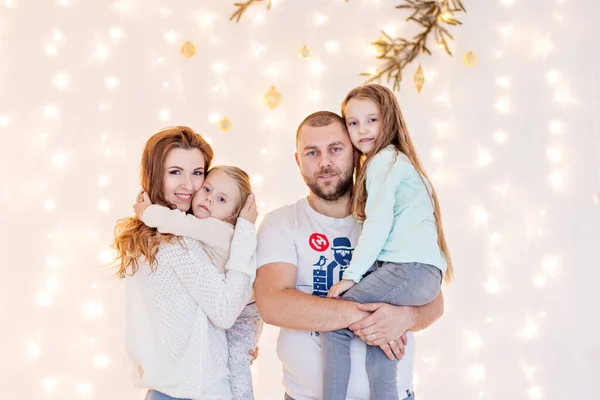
<point>326,159</point>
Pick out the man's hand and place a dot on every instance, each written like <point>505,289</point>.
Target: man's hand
<point>143,201</point>
<point>385,327</point>
<point>394,349</point>
<point>249,212</point>
<point>339,288</point>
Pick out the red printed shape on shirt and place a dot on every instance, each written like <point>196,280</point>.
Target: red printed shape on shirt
<point>318,242</point>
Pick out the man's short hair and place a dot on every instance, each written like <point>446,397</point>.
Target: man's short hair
<point>320,118</point>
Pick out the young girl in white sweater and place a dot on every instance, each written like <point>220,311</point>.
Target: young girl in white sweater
<point>216,207</point>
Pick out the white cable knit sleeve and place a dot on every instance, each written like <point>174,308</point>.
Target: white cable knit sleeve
<point>221,297</point>
<point>210,231</point>
<point>242,256</point>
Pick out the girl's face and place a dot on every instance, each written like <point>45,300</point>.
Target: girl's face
<point>364,123</point>
<point>184,175</point>
<point>218,197</point>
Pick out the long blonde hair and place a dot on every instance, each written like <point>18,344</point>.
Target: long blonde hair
<point>242,180</point>
<point>393,131</point>
<point>133,238</point>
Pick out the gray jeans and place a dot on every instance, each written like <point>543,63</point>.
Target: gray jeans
<point>406,284</point>
<point>410,397</point>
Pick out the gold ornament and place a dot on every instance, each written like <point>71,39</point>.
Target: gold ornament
<point>225,124</point>
<point>470,59</point>
<point>272,98</point>
<point>188,50</point>
<point>419,79</point>
<point>305,53</point>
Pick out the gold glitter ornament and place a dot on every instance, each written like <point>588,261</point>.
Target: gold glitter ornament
<point>419,79</point>
<point>305,53</point>
<point>188,50</point>
<point>273,98</point>
<point>225,124</point>
<point>470,59</point>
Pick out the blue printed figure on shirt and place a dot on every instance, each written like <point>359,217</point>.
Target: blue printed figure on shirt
<point>324,273</point>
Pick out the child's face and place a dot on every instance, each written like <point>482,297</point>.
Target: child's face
<point>217,198</point>
<point>363,122</point>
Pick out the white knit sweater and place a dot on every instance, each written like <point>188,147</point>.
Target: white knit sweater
<point>177,316</point>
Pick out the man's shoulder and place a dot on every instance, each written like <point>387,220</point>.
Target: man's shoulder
<point>283,219</point>
<point>287,212</point>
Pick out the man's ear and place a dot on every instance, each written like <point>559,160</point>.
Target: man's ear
<point>297,159</point>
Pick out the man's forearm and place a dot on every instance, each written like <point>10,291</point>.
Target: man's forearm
<point>426,315</point>
<point>292,309</point>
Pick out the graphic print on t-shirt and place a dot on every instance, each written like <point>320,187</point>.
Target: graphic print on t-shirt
<point>318,242</point>
<point>324,270</point>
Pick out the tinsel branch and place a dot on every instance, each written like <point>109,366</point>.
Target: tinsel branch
<point>397,53</point>
<point>242,7</point>
<point>432,15</point>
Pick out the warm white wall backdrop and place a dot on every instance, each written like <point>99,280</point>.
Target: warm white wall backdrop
<point>513,146</point>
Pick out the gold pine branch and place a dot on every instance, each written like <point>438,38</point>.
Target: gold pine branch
<point>242,7</point>
<point>434,16</point>
<point>397,53</point>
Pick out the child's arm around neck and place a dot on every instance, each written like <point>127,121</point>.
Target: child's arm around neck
<point>212,232</point>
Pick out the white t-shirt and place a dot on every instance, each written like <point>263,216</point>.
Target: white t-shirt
<point>321,248</point>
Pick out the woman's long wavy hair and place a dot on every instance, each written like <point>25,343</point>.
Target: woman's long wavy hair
<point>133,239</point>
<point>393,131</point>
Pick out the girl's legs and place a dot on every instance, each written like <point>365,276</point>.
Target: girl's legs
<point>410,284</point>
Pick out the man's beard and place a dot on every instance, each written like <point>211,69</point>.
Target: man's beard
<point>334,191</point>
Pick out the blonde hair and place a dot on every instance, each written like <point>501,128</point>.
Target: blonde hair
<point>242,181</point>
<point>133,239</point>
<point>393,131</point>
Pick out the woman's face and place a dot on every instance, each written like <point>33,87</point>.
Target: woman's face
<point>184,175</point>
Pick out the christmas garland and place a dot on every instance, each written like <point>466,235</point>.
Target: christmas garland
<point>397,53</point>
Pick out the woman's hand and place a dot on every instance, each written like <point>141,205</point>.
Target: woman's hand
<point>143,201</point>
<point>254,354</point>
<point>386,327</point>
<point>249,212</point>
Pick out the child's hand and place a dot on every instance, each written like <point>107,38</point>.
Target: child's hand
<point>254,354</point>
<point>339,288</point>
<point>143,201</point>
<point>249,212</point>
